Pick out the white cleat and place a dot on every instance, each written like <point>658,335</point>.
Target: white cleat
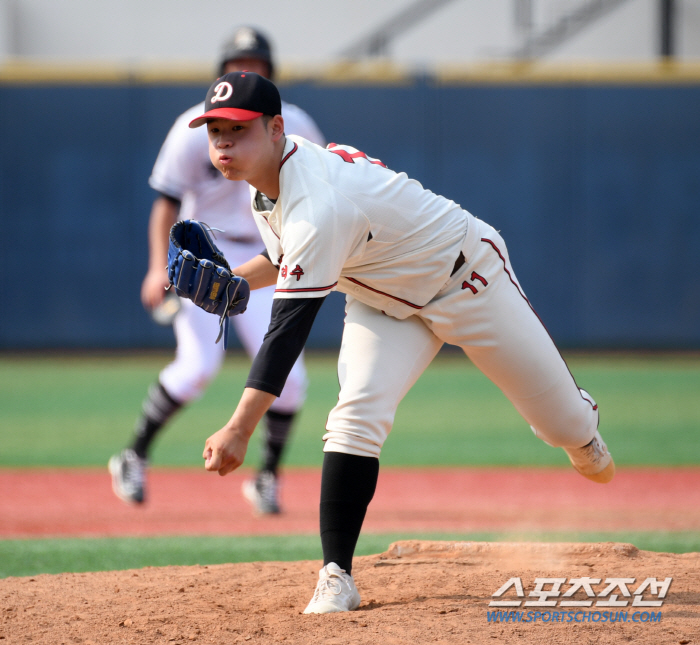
<point>262,493</point>
<point>593,460</point>
<point>335,591</point>
<point>128,472</point>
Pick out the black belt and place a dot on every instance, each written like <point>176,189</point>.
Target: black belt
<point>458,264</point>
<point>242,240</point>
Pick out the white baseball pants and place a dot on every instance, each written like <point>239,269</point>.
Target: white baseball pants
<point>481,309</point>
<point>198,357</point>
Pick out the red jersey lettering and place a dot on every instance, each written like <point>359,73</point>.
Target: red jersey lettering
<point>349,157</point>
<point>298,272</point>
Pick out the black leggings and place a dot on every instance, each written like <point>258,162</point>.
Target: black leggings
<point>348,483</point>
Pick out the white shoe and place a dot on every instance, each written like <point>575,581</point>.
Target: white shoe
<point>262,493</point>
<point>593,460</point>
<point>335,591</point>
<point>128,472</point>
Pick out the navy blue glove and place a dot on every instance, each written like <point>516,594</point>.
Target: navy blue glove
<point>198,271</point>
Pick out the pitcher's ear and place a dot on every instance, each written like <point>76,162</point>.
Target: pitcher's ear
<point>276,126</point>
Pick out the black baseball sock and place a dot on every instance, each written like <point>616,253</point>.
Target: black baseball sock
<point>277,429</point>
<point>348,483</point>
<point>158,407</point>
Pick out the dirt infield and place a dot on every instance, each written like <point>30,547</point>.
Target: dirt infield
<point>414,593</point>
<point>41,503</point>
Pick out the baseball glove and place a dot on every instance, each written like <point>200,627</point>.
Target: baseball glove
<point>198,271</point>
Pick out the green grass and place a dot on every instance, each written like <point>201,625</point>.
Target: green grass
<point>33,557</point>
<point>78,410</point>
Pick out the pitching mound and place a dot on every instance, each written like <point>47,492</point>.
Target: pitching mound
<point>416,592</point>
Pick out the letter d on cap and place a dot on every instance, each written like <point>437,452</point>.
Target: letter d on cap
<point>223,92</point>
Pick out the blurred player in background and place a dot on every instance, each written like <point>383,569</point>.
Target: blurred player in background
<point>190,187</point>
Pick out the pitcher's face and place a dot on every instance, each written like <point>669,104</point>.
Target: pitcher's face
<point>240,149</point>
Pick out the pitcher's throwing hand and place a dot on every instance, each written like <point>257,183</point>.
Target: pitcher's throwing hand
<point>225,451</point>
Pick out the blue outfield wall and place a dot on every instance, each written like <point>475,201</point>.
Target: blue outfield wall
<point>595,188</point>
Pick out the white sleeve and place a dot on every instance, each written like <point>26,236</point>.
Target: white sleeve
<point>180,161</point>
<point>317,241</point>
<point>298,122</point>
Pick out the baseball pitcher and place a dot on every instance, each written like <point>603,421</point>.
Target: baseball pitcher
<point>417,270</point>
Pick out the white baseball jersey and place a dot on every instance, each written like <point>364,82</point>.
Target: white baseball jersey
<point>184,171</point>
<point>344,221</point>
